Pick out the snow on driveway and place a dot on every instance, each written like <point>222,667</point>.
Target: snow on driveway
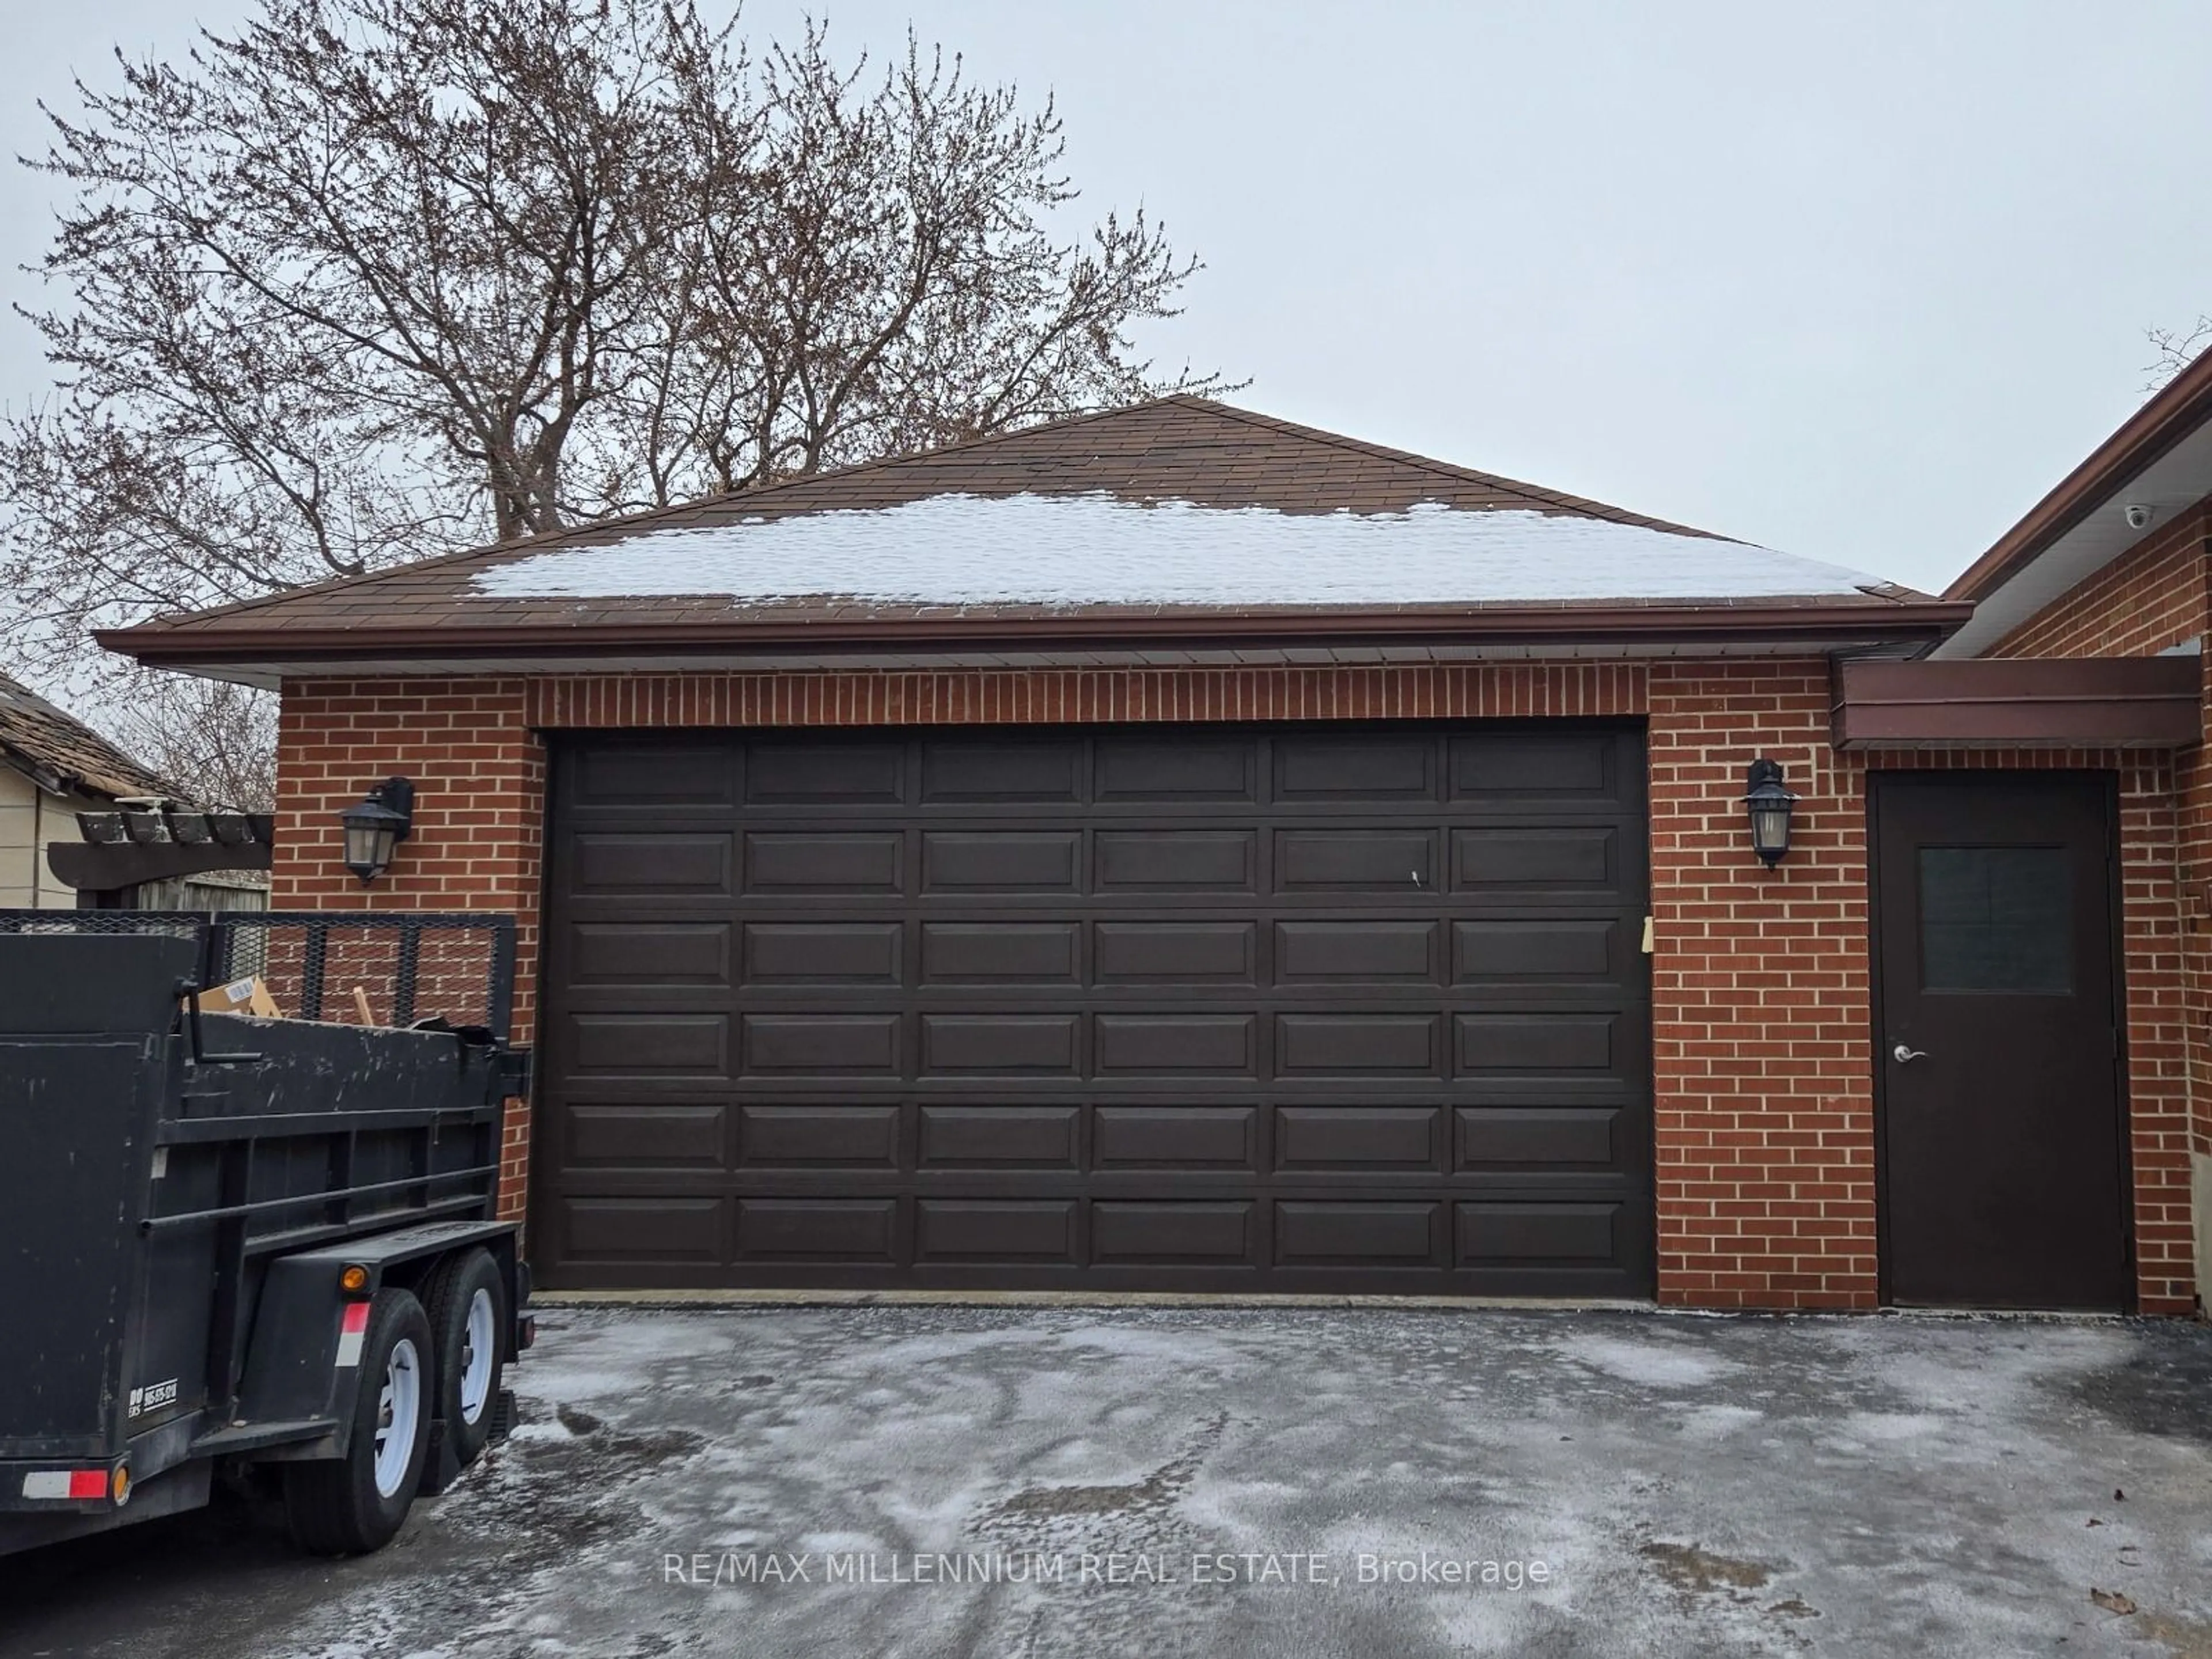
<point>996,1480</point>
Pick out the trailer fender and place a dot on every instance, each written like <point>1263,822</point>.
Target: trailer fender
<point>303,1360</point>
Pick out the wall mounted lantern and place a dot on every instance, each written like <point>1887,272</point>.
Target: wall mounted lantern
<point>376,826</point>
<point>1769,805</point>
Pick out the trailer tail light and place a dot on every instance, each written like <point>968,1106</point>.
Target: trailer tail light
<point>67,1484</point>
<point>118,1485</point>
<point>353,1331</point>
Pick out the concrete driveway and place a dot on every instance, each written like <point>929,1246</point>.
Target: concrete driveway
<point>1004,1481</point>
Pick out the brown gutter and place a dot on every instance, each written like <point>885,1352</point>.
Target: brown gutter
<point>2183,406</point>
<point>1813,625</point>
<point>2041,702</point>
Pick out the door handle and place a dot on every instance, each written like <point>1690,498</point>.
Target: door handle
<point>1904,1056</point>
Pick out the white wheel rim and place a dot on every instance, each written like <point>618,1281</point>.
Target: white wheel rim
<point>398,1413</point>
<point>479,1347</point>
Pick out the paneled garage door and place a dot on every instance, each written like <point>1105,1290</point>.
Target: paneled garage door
<point>1354,1009</point>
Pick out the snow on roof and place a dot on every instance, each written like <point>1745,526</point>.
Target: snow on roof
<point>1100,549</point>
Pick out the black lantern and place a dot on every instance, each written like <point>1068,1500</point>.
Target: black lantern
<point>379,824</point>
<point>1770,805</point>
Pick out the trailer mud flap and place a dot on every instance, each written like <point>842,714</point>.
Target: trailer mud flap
<point>441,1466</point>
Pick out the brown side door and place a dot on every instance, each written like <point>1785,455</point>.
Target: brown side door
<point>1997,1046</point>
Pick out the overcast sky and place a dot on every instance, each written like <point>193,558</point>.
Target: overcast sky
<point>1857,282</point>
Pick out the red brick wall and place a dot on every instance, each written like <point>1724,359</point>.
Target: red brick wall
<point>1762,1019</point>
<point>2152,596</point>
<point>1760,1014</point>
<point>1762,1063</point>
<point>479,777</point>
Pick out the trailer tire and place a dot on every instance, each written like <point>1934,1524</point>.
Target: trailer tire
<point>353,1505</point>
<point>466,1300</point>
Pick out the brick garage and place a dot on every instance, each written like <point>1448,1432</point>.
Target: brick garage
<point>1762,1068</point>
<point>1764,1121</point>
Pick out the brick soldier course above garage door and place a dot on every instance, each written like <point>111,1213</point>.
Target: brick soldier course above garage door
<point>1347,1009</point>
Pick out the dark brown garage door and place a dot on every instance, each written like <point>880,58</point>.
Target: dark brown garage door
<point>1361,1008</point>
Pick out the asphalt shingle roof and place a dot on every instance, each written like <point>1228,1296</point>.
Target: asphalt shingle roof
<point>1176,450</point>
<point>45,741</point>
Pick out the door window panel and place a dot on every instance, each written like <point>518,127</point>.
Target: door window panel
<point>1996,919</point>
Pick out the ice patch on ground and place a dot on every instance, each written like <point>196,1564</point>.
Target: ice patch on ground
<point>1647,1363</point>
<point>2008,1357</point>
<point>1127,1342</point>
<point>836,1543</point>
<point>1718,1422</point>
<point>1890,1426</point>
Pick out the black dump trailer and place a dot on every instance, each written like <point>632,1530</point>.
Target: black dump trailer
<point>262,1252</point>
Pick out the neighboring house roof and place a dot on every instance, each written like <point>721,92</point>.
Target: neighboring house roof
<point>2159,459</point>
<point>60,752</point>
<point>1180,522</point>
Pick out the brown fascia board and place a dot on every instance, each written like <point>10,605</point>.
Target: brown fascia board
<point>2180,409</point>
<point>104,866</point>
<point>2040,702</point>
<point>1814,625</point>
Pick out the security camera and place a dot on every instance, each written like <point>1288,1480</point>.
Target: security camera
<point>2138,517</point>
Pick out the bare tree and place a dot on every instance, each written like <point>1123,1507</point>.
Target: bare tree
<point>339,290</point>
<point>873,269</point>
<point>373,279</point>
<point>214,740</point>
<point>2175,349</point>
